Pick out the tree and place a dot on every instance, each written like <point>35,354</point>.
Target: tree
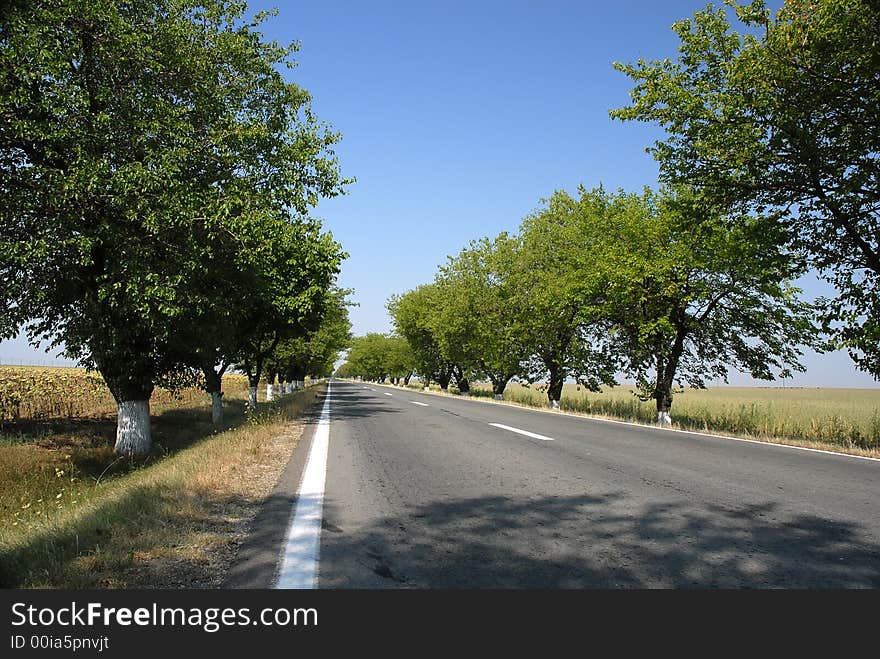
<point>401,360</point>
<point>131,136</point>
<point>476,321</point>
<point>785,117</point>
<point>368,356</point>
<point>558,295</point>
<point>315,353</point>
<point>692,291</point>
<point>411,314</point>
<point>299,268</point>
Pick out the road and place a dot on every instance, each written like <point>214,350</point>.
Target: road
<point>423,491</point>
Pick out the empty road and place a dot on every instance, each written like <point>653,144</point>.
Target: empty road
<point>424,491</point>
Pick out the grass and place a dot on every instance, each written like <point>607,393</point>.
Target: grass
<point>846,420</point>
<point>73,515</point>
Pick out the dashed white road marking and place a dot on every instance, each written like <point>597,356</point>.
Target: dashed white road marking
<point>387,394</point>
<point>299,565</point>
<point>415,402</point>
<point>522,432</point>
<point>371,389</point>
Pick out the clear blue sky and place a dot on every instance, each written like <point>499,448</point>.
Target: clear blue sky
<point>458,117</point>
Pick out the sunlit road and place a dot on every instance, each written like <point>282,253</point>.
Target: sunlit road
<point>424,491</point>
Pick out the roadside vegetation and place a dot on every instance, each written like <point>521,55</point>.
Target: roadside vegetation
<point>73,514</point>
<point>768,171</point>
<point>157,174</point>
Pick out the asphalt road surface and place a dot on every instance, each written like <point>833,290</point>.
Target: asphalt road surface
<point>427,491</point>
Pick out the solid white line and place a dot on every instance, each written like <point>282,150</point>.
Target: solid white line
<point>522,432</point>
<point>387,394</point>
<point>299,565</point>
<point>415,402</point>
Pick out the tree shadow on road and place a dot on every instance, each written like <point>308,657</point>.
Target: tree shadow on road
<point>499,542</point>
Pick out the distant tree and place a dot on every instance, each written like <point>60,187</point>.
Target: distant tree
<point>785,117</point>
<point>691,292</point>
<point>401,359</point>
<point>293,295</point>
<point>315,353</point>
<point>368,356</point>
<point>411,314</point>
<point>476,320</point>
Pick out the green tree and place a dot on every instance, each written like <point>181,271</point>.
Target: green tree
<point>785,116</point>
<point>316,352</point>
<point>558,294</point>
<point>130,134</point>
<point>476,321</point>
<point>292,297</point>
<point>401,360</point>
<point>368,357</point>
<point>692,292</point>
<point>411,314</point>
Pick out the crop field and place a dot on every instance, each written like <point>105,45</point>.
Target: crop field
<point>845,418</point>
<point>30,393</point>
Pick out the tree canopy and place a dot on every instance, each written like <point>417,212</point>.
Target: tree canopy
<point>783,116</point>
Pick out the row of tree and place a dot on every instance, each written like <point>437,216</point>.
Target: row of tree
<point>379,357</point>
<point>156,171</point>
<point>661,287</point>
<point>771,163</point>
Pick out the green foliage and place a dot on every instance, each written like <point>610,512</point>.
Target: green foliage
<point>785,117</point>
<point>378,356</point>
<point>412,314</point>
<point>156,168</point>
<point>474,321</point>
<point>559,293</point>
<point>692,292</point>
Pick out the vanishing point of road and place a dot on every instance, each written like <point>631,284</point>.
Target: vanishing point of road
<point>400,489</point>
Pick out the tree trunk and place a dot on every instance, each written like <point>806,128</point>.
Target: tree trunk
<point>664,404</point>
<point>666,368</point>
<point>253,382</point>
<point>557,380</point>
<point>132,395</point>
<point>216,407</point>
<point>213,385</point>
<point>499,384</point>
<point>133,427</point>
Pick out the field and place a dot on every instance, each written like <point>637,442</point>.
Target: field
<point>74,515</point>
<point>29,393</point>
<point>836,418</point>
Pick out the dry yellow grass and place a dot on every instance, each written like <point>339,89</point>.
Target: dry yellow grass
<point>30,393</point>
<point>829,418</point>
<point>172,522</point>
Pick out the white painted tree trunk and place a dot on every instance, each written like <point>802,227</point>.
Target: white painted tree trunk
<point>252,397</point>
<point>664,419</point>
<point>270,391</point>
<point>499,397</point>
<point>133,427</point>
<point>301,384</point>
<point>426,388</point>
<point>216,407</point>
<point>445,390</point>
<point>554,404</point>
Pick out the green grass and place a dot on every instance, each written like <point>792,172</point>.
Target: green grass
<point>73,515</point>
